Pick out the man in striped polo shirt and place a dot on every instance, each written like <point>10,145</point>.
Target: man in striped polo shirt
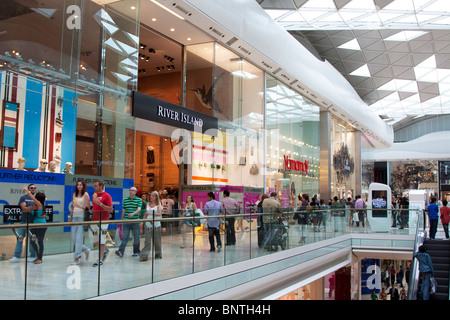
<point>131,209</point>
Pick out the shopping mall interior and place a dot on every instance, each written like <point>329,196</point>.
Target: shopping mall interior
<point>304,106</point>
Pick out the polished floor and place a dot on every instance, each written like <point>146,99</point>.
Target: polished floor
<point>56,278</point>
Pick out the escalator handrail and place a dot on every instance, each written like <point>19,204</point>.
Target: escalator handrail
<point>421,234</point>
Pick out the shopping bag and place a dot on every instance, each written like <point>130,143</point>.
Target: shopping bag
<point>433,285</point>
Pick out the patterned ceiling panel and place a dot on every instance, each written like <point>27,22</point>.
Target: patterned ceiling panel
<point>395,53</point>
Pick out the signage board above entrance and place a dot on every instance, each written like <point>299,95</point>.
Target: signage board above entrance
<point>153,109</point>
<point>290,164</point>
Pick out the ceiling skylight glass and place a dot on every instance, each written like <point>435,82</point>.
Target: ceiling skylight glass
<point>401,45</point>
<point>351,45</point>
<point>400,85</point>
<point>405,35</point>
<point>362,71</point>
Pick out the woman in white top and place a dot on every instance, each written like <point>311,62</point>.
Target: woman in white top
<point>152,232</point>
<point>80,203</point>
<point>189,211</point>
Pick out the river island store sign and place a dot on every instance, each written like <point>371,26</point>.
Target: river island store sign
<point>153,109</point>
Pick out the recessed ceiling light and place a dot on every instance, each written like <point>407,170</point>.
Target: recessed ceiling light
<point>133,8</point>
<point>172,29</point>
<point>153,19</point>
<point>189,39</point>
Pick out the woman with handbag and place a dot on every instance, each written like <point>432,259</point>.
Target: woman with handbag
<point>81,203</point>
<point>189,211</point>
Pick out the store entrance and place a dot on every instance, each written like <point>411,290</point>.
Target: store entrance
<point>154,168</point>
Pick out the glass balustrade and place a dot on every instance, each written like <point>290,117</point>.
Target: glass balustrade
<point>39,260</point>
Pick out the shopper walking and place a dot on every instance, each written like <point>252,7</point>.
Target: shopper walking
<point>426,270</point>
<point>131,209</point>
<point>26,205</point>
<point>360,205</point>
<point>102,207</point>
<point>213,208</point>
<point>445,217</point>
<point>272,214</point>
<point>81,203</point>
<point>152,229</point>
<point>393,292</point>
<point>37,238</point>
<point>404,212</point>
<point>231,208</point>
<point>433,216</point>
<point>392,275</point>
<point>190,210</point>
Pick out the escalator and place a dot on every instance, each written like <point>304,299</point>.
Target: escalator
<point>439,251</point>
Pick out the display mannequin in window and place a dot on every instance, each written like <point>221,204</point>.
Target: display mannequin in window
<point>68,168</point>
<point>52,166</point>
<point>42,166</point>
<point>21,162</point>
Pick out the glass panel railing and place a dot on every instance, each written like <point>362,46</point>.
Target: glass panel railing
<point>183,241</point>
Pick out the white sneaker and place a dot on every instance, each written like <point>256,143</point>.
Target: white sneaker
<point>14,259</point>
<point>31,259</point>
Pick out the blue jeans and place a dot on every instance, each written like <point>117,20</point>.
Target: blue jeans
<point>426,284</point>
<point>134,228</point>
<point>77,233</point>
<point>19,244</point>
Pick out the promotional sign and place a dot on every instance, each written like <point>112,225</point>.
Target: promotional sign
<point>12,214</point>
<point>58,189</point>
<point>245,196</point>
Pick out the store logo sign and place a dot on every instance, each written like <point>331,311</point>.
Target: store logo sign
<point>157,110</point>
<point>179,116</point>
<point>290,164</point>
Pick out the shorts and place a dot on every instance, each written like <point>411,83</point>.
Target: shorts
<point>93,233</point>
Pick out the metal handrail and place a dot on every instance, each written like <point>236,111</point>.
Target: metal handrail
<point>286,210</point>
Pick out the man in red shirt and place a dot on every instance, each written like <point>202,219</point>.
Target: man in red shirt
<point>102,206</point>
<point>445,217</point>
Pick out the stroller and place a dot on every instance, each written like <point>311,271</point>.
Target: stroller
<point>275,235</point>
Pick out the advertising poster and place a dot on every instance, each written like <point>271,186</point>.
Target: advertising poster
<point>59,189</point>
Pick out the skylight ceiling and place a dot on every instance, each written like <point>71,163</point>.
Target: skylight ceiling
<point>395,53</point>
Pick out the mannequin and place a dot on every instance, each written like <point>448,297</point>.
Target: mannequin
<point>68,169</point>
<point>42,165</point>
<point>21,162</point>
<point>52,166</point>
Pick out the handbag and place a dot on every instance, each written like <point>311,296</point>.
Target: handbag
<point>87,214</point>
<point>87,217</point>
